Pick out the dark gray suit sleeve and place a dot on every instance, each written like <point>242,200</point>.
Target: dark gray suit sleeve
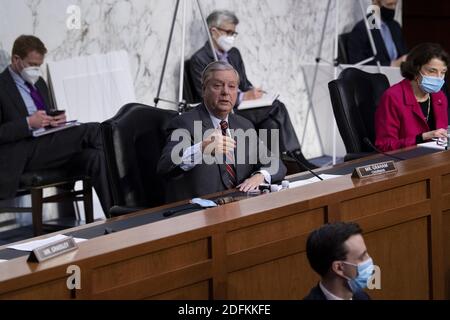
<point>166,167</point>
<point>196,68</point>
<point>358,45</point>
<point>13,131</point>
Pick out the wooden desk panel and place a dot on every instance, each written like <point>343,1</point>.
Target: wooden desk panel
<point>255,248</point>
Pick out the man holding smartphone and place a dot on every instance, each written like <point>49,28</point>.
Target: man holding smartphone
<point>25,106</point>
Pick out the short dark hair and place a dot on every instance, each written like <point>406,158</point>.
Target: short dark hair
<point>326,245</point>
<point>420,56</point>
<point>26,44</point>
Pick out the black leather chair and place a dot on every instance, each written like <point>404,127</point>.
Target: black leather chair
<point>134,139</point>
<point>34,183</point>
<point>355,97</point>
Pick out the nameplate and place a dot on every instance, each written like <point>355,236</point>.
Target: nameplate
<point>374,170</point>
<point>52,250</point>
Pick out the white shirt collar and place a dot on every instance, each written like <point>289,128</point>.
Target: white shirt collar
<point>216,121</point>
<point>328,294</point>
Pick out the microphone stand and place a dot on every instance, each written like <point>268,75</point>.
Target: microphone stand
<point>291,156</point>
<point>181,104</point>
<point>370,144</point>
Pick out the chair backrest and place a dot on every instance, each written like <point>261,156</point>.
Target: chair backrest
<point>343,48</point>
<point>189,93</point>
<point>134,139</point>
<point>355,97</point>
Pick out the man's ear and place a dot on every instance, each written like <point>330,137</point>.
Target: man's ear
<point>338,268</point>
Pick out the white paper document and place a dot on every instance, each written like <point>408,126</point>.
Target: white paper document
<point>266,100</point>
<point>48,130</point>
<point>300,183</point>
<point>431,145</point>
<point>31,245</point>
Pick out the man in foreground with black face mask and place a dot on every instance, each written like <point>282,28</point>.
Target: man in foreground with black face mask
<point>25,105</point>
<point>387,35</point>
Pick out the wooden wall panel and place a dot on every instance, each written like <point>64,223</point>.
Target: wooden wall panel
<point>139,268</point>
<point>198,291</point>
<point>401,253</point>
<point>53,290</point>
<point>384,201</point>
<point>288,278</point>
<point>446,228</point>
<point>274,230</point>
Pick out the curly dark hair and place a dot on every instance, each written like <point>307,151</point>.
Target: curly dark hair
<point>420,56</point>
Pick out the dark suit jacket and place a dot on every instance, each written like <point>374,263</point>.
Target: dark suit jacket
<point>204,179</point>
<point>204,56</point>
<point>317,294</point>
<point>14,132</point>
<point>359,48</point>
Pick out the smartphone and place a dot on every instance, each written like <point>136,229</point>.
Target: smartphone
<point>54,113</point>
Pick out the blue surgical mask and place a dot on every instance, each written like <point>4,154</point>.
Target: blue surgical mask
<point>431,84</point>
<point>365,271</point>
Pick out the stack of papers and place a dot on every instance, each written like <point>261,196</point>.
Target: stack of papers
<point>266,100</point>
<point>30,246</point>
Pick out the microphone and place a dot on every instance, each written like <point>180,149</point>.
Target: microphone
<point>291,156</point>
<point>370,144</point>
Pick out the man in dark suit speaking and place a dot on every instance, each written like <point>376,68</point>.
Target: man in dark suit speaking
<point>222,25</point>
<point>24,107</point>
<point>210,149</point>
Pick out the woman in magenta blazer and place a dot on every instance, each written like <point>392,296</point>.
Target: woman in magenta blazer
<point>415,110</point>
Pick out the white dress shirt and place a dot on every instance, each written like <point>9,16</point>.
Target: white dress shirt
<point>193,155</point>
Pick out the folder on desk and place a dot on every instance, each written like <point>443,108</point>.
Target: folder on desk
<point>266,100</point>
<point>48,130</point>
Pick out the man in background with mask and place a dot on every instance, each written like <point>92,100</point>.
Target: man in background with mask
<point>337,252</point>
<point>387,35</point>
<point>222,26</point>
<point>24,106</point>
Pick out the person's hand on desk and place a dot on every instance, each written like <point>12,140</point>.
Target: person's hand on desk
<point>39,119</point>
<point>440,133</point>
<point>58,120</point>
<point>253,94</point>
<point>252,183</point>
<point>217,144</point>
<point>397,63</point>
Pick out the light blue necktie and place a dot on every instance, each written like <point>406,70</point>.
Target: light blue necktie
<point>388,41</point>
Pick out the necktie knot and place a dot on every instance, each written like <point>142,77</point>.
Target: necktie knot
<point>30,86</point>
<point>224,126</point>
<point>36,96</point>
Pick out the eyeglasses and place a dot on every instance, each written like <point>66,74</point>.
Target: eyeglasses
<point>230,33</point>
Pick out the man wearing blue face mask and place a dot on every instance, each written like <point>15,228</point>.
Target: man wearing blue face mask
<point>337,252</point>
<point>415,110</point>
<point>387,36</point>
